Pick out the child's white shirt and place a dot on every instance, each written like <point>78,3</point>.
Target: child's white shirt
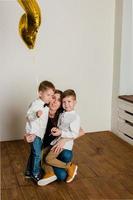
<point>37,125</point>
<point>69,124</point>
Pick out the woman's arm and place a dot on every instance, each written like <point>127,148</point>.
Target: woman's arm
<point>81,132</point>
<point>57,148</point>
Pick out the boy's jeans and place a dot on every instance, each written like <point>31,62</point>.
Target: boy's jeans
<point>33,165</point>
<point>65,156</point>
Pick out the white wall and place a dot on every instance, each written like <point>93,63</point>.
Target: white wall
<point>117,63</point>
<point>126,67</point>
<point>123,56</point>
<point>74,49</point>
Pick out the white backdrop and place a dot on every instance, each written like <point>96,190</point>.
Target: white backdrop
<point>126,67</point>
<point>123,56</point>
<point>74,49</point>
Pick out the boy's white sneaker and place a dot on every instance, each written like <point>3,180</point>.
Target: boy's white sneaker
<point>48,178</point>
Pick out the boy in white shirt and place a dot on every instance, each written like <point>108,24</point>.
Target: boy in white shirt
<point>68,127</point>
<point>37,117</point>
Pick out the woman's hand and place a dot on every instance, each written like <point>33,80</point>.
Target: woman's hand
<point>81,132</point>
<point>55,131</point>
<point>57,148</point>
<point>29,137</point>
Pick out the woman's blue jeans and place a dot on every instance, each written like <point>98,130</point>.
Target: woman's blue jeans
<point>65,156</point>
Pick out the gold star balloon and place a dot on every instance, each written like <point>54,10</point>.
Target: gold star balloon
<point>29,22</point>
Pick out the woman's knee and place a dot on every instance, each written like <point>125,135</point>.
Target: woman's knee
<point>66,155</point>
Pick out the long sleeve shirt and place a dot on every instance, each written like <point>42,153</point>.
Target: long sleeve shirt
<point>37,125</point>
<point>69,124</point>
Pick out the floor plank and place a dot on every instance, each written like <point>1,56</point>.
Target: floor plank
<point>105,171</point>
<point>8,174</point>
<point>13,194</point>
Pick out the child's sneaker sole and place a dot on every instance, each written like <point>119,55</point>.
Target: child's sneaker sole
<point>74,174</point>
<point>46,181</point>
<point>27,177</point>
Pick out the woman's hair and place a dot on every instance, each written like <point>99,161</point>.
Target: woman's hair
<point>60,109</point>
<point>60,93</point>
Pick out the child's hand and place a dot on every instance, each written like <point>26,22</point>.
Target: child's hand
<point>29,137</point>
<point>55,131</point>
<point>39,113</point>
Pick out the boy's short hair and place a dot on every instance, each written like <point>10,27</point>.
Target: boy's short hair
<point>69,92</point>
<point>44,85</point>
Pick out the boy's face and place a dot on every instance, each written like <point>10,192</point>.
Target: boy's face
<point>68,103</point>
<point>46,95</point>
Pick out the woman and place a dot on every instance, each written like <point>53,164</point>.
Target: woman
<point>55,109</point>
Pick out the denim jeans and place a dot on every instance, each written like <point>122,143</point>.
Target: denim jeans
<point>33,165</point>
<point>65,156</point>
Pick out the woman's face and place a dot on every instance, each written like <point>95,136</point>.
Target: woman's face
<point>55,102</point>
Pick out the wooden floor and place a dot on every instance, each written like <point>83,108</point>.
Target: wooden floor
<point>105,171</point>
